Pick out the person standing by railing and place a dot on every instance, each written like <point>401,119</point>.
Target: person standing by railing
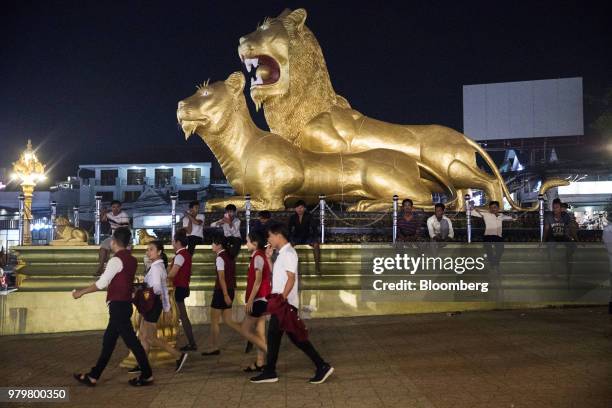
<point>193,223</point>
<point>303,231</point>
<point>493,236</point>
<point>409,225</point>
<point>606,237</point>
<point>116,218</point>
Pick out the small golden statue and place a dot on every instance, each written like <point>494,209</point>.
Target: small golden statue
<point>144,238</point>
<point>68,234</point>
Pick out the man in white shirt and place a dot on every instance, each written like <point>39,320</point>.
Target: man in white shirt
<point>607,240</point>
<point>439,225</point>
<point>285,284</point>
<point>230,222</point>
<point>116,218</point>
<point>194,226</point>
<point>493,239</point>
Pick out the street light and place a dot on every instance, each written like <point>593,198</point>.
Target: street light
<point>28,170</point>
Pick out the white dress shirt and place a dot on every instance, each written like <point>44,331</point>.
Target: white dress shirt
<point>156,279</point>
<point>229,230</point>
<point>287,261</point>
<point>433,226</point>
<point>493,223</point>
<point>113,267</point>
<point>196,230</point>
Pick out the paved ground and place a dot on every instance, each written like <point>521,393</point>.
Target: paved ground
<point>534,358</point>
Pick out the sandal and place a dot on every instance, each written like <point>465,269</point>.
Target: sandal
<point>84,379</point>
<point>255,369</point>
<point>140,382</point>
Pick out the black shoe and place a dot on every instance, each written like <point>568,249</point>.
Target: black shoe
<point>180,362</point>
<point>248,348</point>
<point>265,378</point>
<point>254,368</point>
<point>135,370</point>
<point>140,382</point>
<point>322,374</point>
<point>211,353</point>
<point>189,347</point>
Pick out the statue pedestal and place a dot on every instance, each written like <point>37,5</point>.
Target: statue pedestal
<point>167,329</point>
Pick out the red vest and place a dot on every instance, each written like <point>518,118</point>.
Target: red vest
<point>264,289</point>
<point>183,276</point>
<point>121,286</point>
<point>229,270</point>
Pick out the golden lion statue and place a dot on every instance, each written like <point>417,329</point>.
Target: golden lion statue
<point>144,238</point>
<point>68,234</point>
<point>275,171</point>
<point>293,86</point>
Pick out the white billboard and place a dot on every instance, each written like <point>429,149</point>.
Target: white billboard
<point>513,110</point>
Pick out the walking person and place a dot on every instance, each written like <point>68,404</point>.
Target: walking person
<point>258,288</point>
<point>283,305</point>
<point>155,278</point>
<point>118,278</point>
<point>303,231</point>
<point>180,274</point>
<point>223,294</point>
<point>193,223</point>
<point>116,218</point>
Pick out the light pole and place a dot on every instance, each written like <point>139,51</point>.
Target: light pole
<point>29,171</point>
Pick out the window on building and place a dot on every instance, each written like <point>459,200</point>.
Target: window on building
<point>163,177</point>
<point>191,176</point>
<point>136,177</point>
<point>187,195</point>
<point>107,196</point>
<point>108,177</point>
<point>130,196</point>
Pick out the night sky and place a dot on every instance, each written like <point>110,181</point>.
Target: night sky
<point>91,80</point>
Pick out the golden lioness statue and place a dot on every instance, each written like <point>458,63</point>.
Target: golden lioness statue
<point>274,170</point>
<point>293,86</point>
<point>68,234</point>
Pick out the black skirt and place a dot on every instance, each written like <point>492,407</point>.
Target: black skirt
<point>217,300</point>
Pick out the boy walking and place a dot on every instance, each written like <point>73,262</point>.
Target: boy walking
<point>283,307</point>
<point>118,278</point>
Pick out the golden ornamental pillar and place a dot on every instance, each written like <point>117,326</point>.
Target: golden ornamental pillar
<point>29,170</point>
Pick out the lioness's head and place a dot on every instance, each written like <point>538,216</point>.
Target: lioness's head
<point>284,55</point>
<point>62,221</point>
<point>209,109</point>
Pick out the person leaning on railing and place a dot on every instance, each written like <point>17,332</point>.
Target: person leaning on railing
<point>409,225</point>
<point>493,237</point>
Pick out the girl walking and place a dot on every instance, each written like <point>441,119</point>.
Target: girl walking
<point>155,278</point>
<point>223,295</point>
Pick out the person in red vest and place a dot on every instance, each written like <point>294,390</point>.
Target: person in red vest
<point>180,274</point>
<point>258,287</point>
<point>226,249</point>
<point>118,278</point>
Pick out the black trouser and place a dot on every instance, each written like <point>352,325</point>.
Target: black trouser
<point>275,335</point>
<point>192,241</point>
<point>119,324</point>
<point>494,248</point>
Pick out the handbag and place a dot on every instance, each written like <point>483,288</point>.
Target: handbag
<point>144,298</point>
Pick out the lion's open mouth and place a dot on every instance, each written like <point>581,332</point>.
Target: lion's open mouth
<point>264,70</point>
